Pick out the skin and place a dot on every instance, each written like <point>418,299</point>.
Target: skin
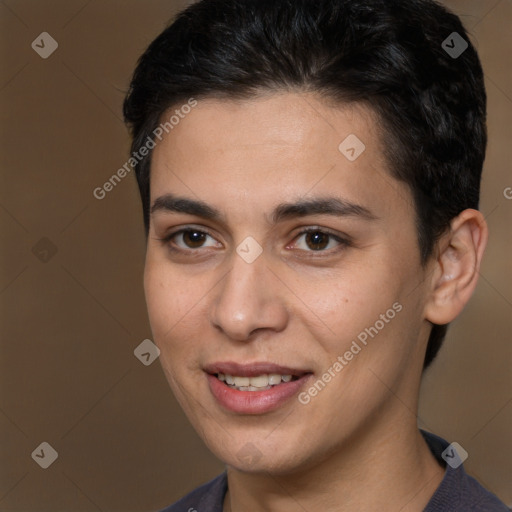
<point>355,446</point>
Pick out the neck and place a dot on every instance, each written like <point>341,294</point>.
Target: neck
<point>371,471</point>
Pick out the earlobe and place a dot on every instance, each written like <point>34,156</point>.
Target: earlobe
<point>457,267</point>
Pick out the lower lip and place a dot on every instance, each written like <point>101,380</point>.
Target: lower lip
<point>255,402</point>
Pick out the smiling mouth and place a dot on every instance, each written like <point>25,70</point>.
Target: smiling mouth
<point>258,387</point>
<point>257,383</point>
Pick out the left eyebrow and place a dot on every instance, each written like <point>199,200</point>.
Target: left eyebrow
<point>321,206</point>
<point>333,206</point>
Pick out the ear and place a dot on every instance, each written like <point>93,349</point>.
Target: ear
<point>456,268</point>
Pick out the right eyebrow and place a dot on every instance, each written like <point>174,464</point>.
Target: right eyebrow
<point>172,203</point>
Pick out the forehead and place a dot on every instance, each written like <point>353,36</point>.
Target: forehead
<point>266,148</point>
<point>299,120</point>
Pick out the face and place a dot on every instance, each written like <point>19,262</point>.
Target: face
<point>289,257</point>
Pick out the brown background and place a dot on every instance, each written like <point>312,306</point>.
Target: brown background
<point>68,375</point>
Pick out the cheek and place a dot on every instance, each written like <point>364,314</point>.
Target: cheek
<point>346,302</point>
<point>348,323</point>
<point>176,309</point>
<point>175,313</point>
<point>161,304</point>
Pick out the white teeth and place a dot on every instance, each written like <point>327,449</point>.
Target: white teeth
<point>257,383</point>
<point>274,378</point>
<point>242,381</point>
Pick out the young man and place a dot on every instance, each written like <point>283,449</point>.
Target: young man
<point>310,173</point>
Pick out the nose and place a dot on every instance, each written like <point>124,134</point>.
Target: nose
<point>251,297</point>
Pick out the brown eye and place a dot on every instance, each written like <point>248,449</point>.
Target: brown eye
<point>317,240</point>
<point>193,238</point>
<point>187,240</point>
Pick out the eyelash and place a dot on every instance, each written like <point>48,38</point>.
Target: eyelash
<point>344,242</point>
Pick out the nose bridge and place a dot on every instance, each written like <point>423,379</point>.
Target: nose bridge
<point>245,301</point>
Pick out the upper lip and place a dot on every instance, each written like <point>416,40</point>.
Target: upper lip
<point>252,369</point>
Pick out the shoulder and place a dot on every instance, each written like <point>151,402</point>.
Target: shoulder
<point>458,492</point>
<point>209,497</point>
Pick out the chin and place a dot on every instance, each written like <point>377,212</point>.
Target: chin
<point>258,457</point>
